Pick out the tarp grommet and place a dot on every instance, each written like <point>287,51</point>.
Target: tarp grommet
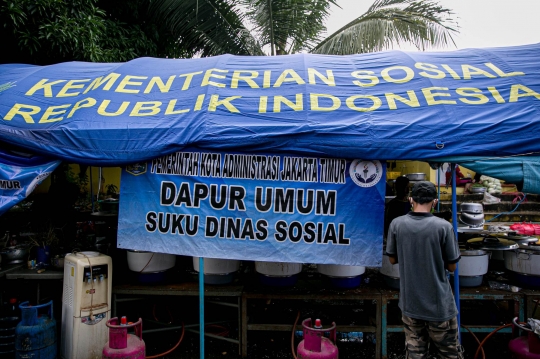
<point>439,145</point>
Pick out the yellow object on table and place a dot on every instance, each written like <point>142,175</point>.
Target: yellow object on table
<point>392,175</point>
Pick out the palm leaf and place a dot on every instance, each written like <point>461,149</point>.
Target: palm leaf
<point>424,23</point>
<point>209,27</point>
<point>288,25</point>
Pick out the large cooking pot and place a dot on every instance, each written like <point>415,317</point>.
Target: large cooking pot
<point>342,276</point>
<point>473,262</point>
<point>471,207</point>
<point>390,272</point>
<point>278,273</point>
<point>496,245</point>
<point>472,267</point>
<point>523,261</point>
<point>149,262</point>
<point>217,270</point>
<point>416,176</point>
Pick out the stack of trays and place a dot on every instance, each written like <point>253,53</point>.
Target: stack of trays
<point>472,214</point>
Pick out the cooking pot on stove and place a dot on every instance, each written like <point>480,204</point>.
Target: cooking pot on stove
<point>472,207</point>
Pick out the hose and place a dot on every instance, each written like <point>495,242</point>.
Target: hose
<point>514,201</point>
<point>489,336</point>
<point>156,318</point>
<point>293,351</point>
<point>223,333</point>
<point>172,349</point>
<point>477,340</point>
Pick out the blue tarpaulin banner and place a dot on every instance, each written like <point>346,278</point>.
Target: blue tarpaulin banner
<point>386,105</point>
<point>20,174</point>
<point>255,207</point>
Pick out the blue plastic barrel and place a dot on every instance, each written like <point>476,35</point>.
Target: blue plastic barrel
<point>35,335</point>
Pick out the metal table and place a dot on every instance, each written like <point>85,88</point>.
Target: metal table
<point>472,293</point>
<point>313,290</point>
<point>24,273</point>
<point>128,292</point>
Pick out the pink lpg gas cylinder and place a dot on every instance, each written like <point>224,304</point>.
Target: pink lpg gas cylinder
<point>524,347</point>
<point>315,345</point>
<point>122,345</point>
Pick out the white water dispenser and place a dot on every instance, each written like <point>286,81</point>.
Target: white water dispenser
<point>86,305</point>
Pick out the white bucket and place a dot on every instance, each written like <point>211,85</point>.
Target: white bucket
<point>150,262</point>
<point>337,270</point>
<point>217,265</point>
<point>278,269</point>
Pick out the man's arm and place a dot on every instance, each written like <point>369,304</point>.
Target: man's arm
<point>394,260</point>
<point>451,267</point>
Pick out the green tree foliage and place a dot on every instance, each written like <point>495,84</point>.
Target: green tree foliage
<point>387,23</point>
<point>52,31</point>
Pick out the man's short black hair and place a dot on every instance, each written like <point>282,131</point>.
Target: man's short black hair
<point>423,192</point>
<point>401,186</point>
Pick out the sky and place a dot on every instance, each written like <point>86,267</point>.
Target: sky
<point>482,23</point>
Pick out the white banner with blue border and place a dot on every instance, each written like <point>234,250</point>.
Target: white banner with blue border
<point>255,207</point>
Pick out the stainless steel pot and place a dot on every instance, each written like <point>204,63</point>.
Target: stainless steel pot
<point>523,261</point>
<point>478,189</point>
<point>472,207</point>
<point>15,254</point>
<point>416,176</point>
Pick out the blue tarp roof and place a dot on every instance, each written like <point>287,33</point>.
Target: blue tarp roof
<point>387,105</point>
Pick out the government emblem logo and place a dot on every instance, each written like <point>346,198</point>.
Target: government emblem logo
<point>136,168</point>
<point>366,173</point>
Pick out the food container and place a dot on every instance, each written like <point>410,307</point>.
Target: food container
<point>416,176</point>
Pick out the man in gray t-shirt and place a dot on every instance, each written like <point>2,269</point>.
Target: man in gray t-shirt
<point>425,247</point>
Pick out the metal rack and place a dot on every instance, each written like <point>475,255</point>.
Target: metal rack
<point>474,293</point>
<point>128,293</point>
<point>311,291</point>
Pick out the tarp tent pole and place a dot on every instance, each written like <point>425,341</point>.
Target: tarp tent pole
<point>438,189</point>
<point>201,306</point>
<point>454,222</point>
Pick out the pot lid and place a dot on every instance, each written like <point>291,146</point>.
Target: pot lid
<point>530,246</point>
<point>492,243</point>
<point>463,228</point>
<point>519,238</point>
<point>473,252</point>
